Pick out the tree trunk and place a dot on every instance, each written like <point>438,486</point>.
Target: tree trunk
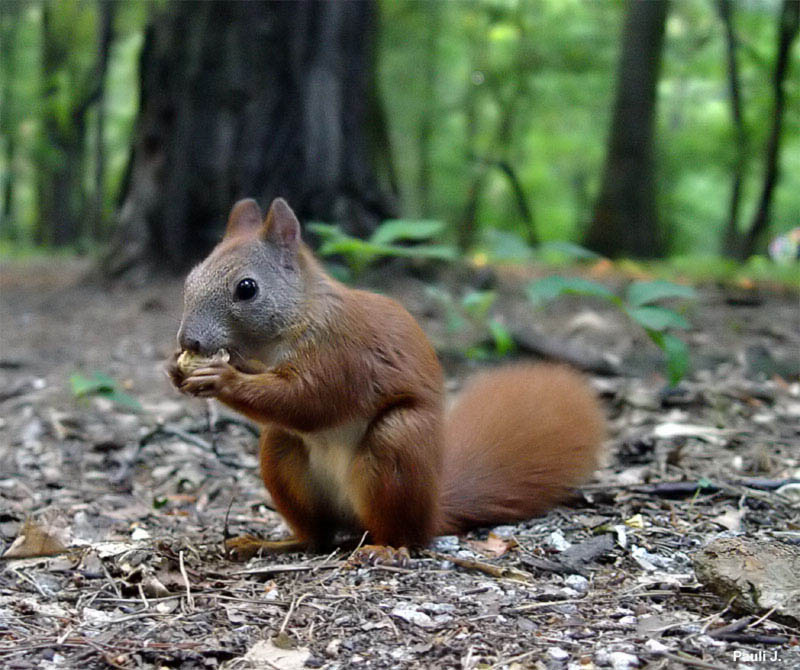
<point>106,10</point>
<point>250,99</point>
<point>432,12</point>
<point>9,14</point>
<point>732,240</point>
<point>789,24</point>
<point>62,197</point>
<point>58,178</point>
<point>625,221</point>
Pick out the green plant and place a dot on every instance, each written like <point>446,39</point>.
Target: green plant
<point>473,309</point>
<point>638,305</point>
<point>385,241</point>
<point>103,385</point>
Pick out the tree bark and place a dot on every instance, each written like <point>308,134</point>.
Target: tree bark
<point>9,14</point>
<point>432,12</point>
<point>625,221</point>
<point>732,239</point>
<point>789,24</point>
<point>250,99</point>
<point>63,210</point>
<point>107,9</point>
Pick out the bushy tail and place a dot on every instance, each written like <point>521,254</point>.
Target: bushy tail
<point>517,440</point>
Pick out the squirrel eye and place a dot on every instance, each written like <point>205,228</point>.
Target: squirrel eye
<point>246,289</point>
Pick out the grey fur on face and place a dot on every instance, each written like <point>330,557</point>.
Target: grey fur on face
<point>213,317</point>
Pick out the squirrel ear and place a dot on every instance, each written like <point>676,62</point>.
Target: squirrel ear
<point>245,217</point>
<point>281,225</point>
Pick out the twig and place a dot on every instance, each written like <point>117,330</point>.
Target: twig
<point>481,566</point>
<point>189,597</point>
<point>295,603</point>
<point>294,567</point>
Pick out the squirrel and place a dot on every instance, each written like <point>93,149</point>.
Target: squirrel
<point>351,398</point>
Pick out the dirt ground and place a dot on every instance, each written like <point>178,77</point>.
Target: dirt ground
<point>141,499</point>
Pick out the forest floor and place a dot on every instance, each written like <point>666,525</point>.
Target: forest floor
<point>140,501</point>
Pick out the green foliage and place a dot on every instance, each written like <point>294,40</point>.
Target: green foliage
<point>656,320</point>
<point>647,292</point>
<point>472,311</point>
<point>465,86</point>
<point>532,83</point>
<point>385,241</point>
<point>101,384</point>
<point>549,288</point>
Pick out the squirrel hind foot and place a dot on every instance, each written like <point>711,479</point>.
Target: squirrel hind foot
<point>245,547</point>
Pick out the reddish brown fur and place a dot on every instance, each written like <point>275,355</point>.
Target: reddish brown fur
<point>516,440</point>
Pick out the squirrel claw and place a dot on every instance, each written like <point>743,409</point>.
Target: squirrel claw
<point>210,381</point>
<point>379,554</point>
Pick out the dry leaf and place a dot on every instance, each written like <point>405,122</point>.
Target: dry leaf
<point>494,545</point>
<point>266,654</point>
<point>732,519</point>
<point>33,541</point>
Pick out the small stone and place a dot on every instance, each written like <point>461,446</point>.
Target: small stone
<point>621,660</point>
<point>557,540</point>
<point>655,647</point>
<point>445,543</point>
<point>577,582</point>
<point>557,653</point>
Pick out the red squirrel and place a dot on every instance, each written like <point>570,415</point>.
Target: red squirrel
<point>350,394</point>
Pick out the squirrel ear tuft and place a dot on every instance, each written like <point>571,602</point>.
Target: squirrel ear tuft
<point>281,225</point>
<point>245,217</point>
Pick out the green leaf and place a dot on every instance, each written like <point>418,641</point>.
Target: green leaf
<point>454,321</point>
<point>676,354</point>
<point>324,230</point>
<point>643,293</point>
<point>477,303</point>
<point>657,318</point>
<point>101,384</point>
<point>569,250</point>
<point>545,290</point>
<point>704,483</point>
<point>440,252</point>
<point>503,342</point>
<point>395,230</point>
<point>97,383</point>
<point>506,246</point>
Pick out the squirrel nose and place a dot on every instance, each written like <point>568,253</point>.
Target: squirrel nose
<point>188,341</point>
<point>190,344</point>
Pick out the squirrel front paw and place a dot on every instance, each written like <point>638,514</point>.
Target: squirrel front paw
<point>214,380</point>
<point>173,370</point>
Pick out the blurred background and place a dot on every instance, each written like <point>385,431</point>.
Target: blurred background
<point>637,129</point>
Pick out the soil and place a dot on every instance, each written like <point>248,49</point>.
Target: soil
<point>137,503</point>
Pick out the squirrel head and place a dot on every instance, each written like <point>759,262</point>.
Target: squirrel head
<point>247,294</point>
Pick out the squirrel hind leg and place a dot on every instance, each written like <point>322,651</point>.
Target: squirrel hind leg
<point>394,477</point>
<point>285,472</point>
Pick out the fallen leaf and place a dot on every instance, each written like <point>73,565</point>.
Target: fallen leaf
<point>494,545</point>
<point>266,654</point>
<point>731,519</point>
<point>32,541</point>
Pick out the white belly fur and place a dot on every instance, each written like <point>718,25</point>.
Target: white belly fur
<point>330,456</point>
